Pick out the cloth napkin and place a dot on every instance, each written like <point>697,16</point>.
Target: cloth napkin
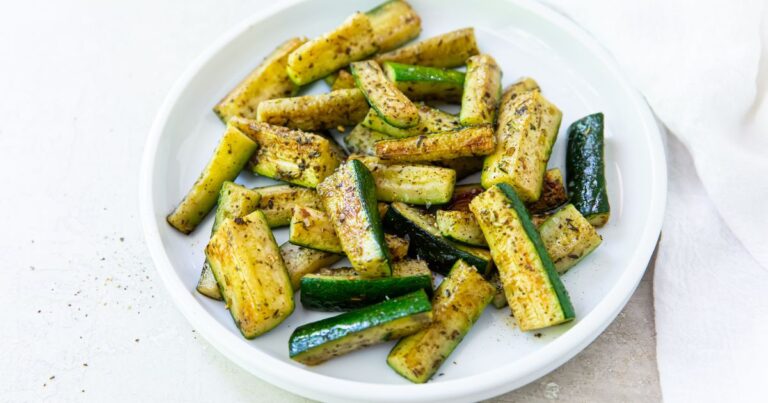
<point>703,68</point>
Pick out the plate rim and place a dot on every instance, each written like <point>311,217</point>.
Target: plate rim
<point>488,384</point>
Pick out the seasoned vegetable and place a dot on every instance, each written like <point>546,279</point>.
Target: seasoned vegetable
<point>410,183</point>
<point>346,107</point>
<point>532,286</point>
<point>431,120</point>
<point>456,306</point>
<point>463,166</point>
<point>344,290</point>
<point>251,274</point>
<point>568,238</point>
<point>353,40</point>
<point>520,87</point>
<point>421,83</point>
<point>349,197</point>
<point>585,168</point>
<point>300,261</point>
<point>341,80</point>
<point>269,80</point>
<point>229,157</point>
<point>394,23</point>
<point>499,298</point>
<point>482,91</point>
<point>277,202</point>
<point>361,140</point>
<point>447,50</point>
<point>460,226</point>
<point>469,142</point>
<point>293,156</point>
<point>527,131</point>
<point>398,247</point>
<point>391,104</point>
<point>553,194</point>
<point>313,229</point>
<point>234,201</point>
<point>427,243</point>
<point>316,342</point>
<point>463,194</point>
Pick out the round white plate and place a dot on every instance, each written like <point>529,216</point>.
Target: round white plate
<point>527,40</point>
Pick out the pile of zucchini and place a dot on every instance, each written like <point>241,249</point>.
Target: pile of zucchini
<point>388,201</point>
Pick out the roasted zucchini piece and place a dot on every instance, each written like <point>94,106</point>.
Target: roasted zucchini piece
<point>344,289</point>
<point>316,342</point>
<point>234,201</point>
<point>532,286</point>
<point>460,226</point>
<point>527,130</point>
<point>269,80</point>
<point>391,104</point>
<point>341,80</point>
<point>345,107</point>
<point>313,229</point>
<point>553,193</point>
<point>463,166</point>
<point>499,299</point>
<point>469,142</point>
<point>431,120</point>
<point>353,40</point>
<point>398,247</point>
<point>410,183</point>
<point>585,168</point>
<point>251,274</point>
<point>568,238</point>
<point>300,261</point>
<point>427,243</point>
<point>293,156</point>
<point>349,197</point>
<point>518,88</point>
<point>463,195</point>
<point>422,83</point>
<point>447,50</point>
<point>394,23</point>
<point>482,91</point>
<point>277,202</point>
<point>361,140</point>
<point>229,158</point>
<point>456,306</point>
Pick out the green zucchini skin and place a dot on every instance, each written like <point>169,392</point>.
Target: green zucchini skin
<point>345,290</point>
<point>229,158</point>
<point>427,243</point>
<point>394,23</point>
<point>482,91</point>
<point>421,83</point>
<point>410,183</point>
<point>585,169</point>
<point>349,197</point>
<point>532,285</point>
<point>457,304</point>
<point>391,104</point>
<point>316,342</point>
<point>431,120</point>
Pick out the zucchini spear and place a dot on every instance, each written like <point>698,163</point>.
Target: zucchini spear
<point>451,49</point>
<point>391,104</point>
<point>585,168</point>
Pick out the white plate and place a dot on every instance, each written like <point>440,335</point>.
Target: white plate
<point>526,39</point>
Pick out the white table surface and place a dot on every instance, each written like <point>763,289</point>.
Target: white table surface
<point>84,315</point>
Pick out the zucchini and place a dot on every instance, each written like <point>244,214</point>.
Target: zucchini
<point>293,156</point>
<point>234,201</point>
<point>300,261</point>
<point>460,226</point>
<point>431,120</point>
<point>251,274</point>
<point>482,91</point>
<point>422,83</point>
<point>342,80</point>
<point>568,238</point>
<point>463,166</point>
<point>361,140</point>
<point>427,243</point>
<point>344,290</point>
<point>394,23</point>
<point>353,40</point>
<point>532,286</point>
<point>316,342</point>
<point>553,193</point>
<point>391,104</point>
<point>585,168</point>
<point>463,194</point>
<point>468,142</point>
<point>277,202</point>
<point>398,247</point>
<point>349,197</point>
<point>313,229</point>
<point>229,157</point>
<point>527,130</point>
<point>451,49</point>
<point>269,80</point>
<point>499,299</point>
<point>456,306</point>
<point>525,84</point>
<point>410,183</point>
<point>346,107</point>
